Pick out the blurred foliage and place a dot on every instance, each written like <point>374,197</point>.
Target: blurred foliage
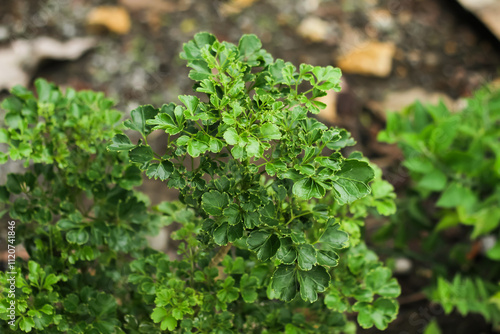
<point>453,160</point>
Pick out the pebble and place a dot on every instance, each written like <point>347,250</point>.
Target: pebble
<point>369,58</point>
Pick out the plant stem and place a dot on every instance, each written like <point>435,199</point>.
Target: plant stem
<point>220,255</point>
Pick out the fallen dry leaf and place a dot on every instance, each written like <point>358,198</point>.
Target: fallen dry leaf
<point>113,18</point>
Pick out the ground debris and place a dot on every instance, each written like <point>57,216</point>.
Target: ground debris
<point>369,58</point>
<point>111,18</point>
<point>20,60</point>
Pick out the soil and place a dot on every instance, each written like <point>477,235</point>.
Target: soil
<point>440,47</point>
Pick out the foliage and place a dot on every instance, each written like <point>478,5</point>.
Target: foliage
<point>453,160</point>
<point>75,212</point>
<point>260,178</point>
<point>270,218</point>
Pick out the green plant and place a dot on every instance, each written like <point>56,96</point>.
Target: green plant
<point>76,213</point>
<point>262,180</point>
<point>453,160</point>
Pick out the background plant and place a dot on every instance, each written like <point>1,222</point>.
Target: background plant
<point>76,214</point>
<point>260,177</point>
<point>453,160</point>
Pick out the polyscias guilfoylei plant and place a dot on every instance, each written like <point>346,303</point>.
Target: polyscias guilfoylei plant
<point>258,176</point>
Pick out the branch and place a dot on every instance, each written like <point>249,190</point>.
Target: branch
<point>220,255</point>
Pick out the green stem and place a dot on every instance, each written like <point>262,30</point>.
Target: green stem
<point>297,216</point>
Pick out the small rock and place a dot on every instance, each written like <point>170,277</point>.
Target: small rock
<point>488,11</point>
<point>313,28</point>
<point>487,243</point>
<point>113,18</point>
<point>369,58</point>
<point>402,265</point>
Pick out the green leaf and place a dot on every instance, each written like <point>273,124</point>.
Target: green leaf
<point>313,281</point>
<point>327,258</point>
<point>121,143</point>
<point>235,232</point>
<point>233,214</point>
<point>268,215</point>
<point>215,145</point>
<point>139,117</point>
<point>287,252</point>
<point>49,281</point>
<point>432,328</point>
<point>26,324</point>
<point>333,238</point>
<point>253,148</point>
<point>4,136</point>
<point>251,52</point>
<point>220,234</point>
<point>380,314</point>
<point>236,266</point>
<point>71,303</point>
<point>231,136</point>
<point>335,302</point>
<point>352,182</point>
<point>248,288</point>
<point>196,147</point>
<point>167,321</point>
<point>455,195</point>
<point>284,282</point>
<point>228,293</point>
<point>379,281</point>
<point>141,154</point>
<point>270,131</point>
<point>494,252</point>
<point>308,188</point>
<point>485,221</point>
<point>79,236</point>
<point>214,202</point>
<point>306,256</point>
<point>191,103</point>
<point>170,118</point>
<point>14,183</point>
<point>160,170</point>
<point>192,49</point>
<point>330,76</point>
<point>434,180</point>
<point>264,243</point>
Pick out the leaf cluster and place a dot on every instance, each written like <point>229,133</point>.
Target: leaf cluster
<point>75,213</point>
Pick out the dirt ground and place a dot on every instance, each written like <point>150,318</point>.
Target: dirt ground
<point>439,50</point>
